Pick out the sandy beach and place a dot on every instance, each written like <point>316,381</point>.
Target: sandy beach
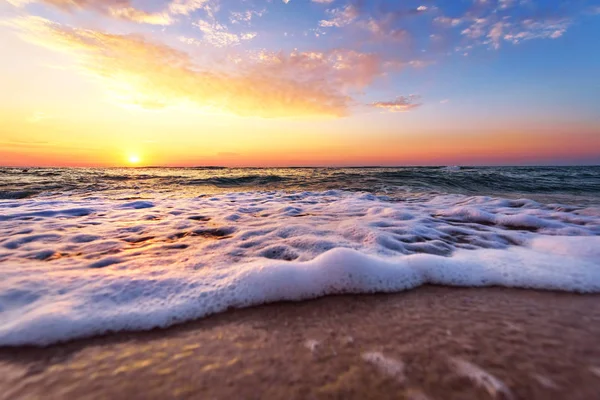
<point>430,343</point>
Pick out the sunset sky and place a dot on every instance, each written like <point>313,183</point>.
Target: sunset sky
<point>299,82</point>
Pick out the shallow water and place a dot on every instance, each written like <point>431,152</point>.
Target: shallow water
<point>84,251</point>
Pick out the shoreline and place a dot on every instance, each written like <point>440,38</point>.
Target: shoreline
<point>426,343</point>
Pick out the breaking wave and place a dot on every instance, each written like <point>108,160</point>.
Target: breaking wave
<point>73,267</point>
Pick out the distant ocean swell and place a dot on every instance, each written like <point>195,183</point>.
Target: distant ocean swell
<point>223,181</point>
<point>566,184</point>
<point>80,264</point>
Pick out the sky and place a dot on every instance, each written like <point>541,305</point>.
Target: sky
<point>299,82</point>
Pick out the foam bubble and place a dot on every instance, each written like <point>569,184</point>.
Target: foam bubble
<point>66,275</point>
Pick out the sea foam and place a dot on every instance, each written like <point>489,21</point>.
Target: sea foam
<point>71,269</point>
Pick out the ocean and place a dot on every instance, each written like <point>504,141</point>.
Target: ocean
<point>89,251</point>
<point>573,185</point>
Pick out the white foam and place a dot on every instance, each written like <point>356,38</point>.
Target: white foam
<point>145,264</point>
<point>494,386</point>
<point>389,366</point>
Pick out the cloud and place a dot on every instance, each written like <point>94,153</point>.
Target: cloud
<point>219,36</point>
<point>340,17</point>
<point>244,16</point>
<point>19,3</point>
<point>71,4</point>
<point>186,7</point>
<point>448,22</point>
<point>139,16</point>
<point>400,104</point>
<point>248,35</point>
<point>495,35</point>
<point>485,23</point>
<point>124,9</point>
<point>382,22</point>
<point>531,29</point>
<point>152,75</point>
<point>486,31</point>
<point>504,4</point>
<point>340,68</point>
<point>382,30</point>
<point>493,23</point>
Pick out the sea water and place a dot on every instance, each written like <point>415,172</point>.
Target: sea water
<point>90,251</point>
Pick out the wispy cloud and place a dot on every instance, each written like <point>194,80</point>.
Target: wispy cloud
<point>125,9</point>
<point>139,16</point>
<point>237,17</point>
<point>400,104</point>
<point>122,9</point>
<point>219,35</point>
<point>340,17</point>
<point>486,23</point>
<point>492,23</point>
<point>340,68</point>
<point>186,7</point>
<point>153,75</point>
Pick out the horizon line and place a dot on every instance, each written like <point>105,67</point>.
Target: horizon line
<point>310,166</point>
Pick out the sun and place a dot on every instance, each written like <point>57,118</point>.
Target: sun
<point>134,159</point>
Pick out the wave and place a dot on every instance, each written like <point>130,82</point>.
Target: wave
<point>546,183</point>
<point>17,194</point>
<point>477,180</point>
<point>75,268</point>
<point>226,181</point>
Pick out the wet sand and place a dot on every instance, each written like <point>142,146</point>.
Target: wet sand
<point>430,343</point>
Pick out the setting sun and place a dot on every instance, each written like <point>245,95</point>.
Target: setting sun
<point>134,159</point>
